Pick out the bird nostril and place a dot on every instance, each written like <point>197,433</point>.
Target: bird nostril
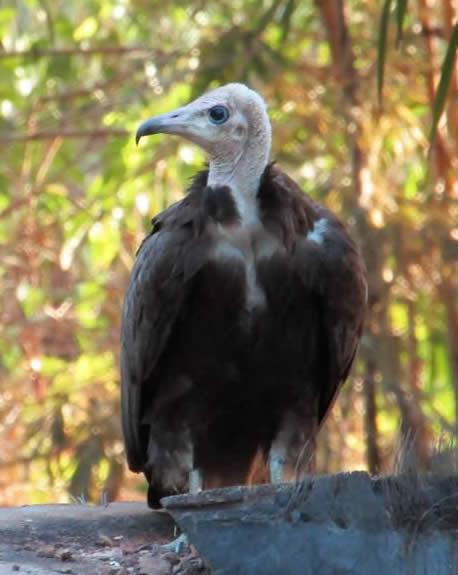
<point>175,115</point>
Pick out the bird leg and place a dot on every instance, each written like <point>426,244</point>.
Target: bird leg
<point>280,464</point>
<point>181,542</point>
<point>194,486</point>
<point>277,463</point>
<point>291,453</point>
<point>195,481</point>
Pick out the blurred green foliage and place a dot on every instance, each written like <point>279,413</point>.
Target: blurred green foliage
<point>76,198</point>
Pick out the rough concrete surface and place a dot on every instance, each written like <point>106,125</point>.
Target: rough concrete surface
<point>345,524</point>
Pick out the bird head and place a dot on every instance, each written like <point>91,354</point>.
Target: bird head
<point>223,122</point>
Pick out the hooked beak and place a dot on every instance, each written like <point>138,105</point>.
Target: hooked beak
<point>171,123</point>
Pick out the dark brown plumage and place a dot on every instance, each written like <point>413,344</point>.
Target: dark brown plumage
<point>216,381</point>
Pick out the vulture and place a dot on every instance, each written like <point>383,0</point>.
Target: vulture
<point>243,312</point>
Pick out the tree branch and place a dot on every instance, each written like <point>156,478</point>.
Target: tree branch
<point>69,134</point>
<point>116,50</point>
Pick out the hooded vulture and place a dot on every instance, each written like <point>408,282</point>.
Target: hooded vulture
<point>243,312</point>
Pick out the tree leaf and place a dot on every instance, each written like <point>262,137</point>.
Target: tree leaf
<point>444,82</point>
<point>383,31</point>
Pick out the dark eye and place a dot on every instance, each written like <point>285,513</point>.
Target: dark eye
<point>218,114</point>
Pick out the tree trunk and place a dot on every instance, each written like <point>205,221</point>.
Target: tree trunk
<point>345,73</point>
<point>372,451</point>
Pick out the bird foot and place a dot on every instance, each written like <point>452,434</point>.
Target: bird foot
<point>177,545</point>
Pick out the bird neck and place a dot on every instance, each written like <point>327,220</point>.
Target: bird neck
<point>242,173</point>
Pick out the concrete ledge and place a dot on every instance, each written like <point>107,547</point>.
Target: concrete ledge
<point>346,524</point>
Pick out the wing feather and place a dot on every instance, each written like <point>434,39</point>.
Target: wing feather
<point>332,267</point>
<point>160,281</point>
<point>339,277</point>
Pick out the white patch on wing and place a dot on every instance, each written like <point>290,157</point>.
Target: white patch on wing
<point>318,233</point>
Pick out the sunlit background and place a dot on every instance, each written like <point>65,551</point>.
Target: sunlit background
<point>77,196</point>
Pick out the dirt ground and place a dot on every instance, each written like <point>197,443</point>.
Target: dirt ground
<point>117,539</point>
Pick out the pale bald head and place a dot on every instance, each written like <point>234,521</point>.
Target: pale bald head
<point>231,124</point>
<point>224,122</point>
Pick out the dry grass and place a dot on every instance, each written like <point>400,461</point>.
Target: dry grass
<point>421,502</point>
